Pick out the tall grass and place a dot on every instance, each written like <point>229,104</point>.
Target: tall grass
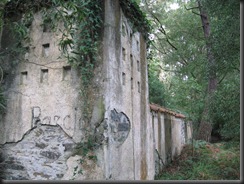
<point>219,161</point>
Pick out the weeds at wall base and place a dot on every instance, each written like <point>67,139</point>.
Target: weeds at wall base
<point>210,162</point>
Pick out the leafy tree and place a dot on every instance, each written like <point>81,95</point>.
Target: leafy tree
<point>202,69</point>
<point>2,99</point>
<point>225,40</point>
<point>157,92</point>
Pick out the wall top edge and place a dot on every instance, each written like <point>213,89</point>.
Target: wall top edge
<point>157,108</point>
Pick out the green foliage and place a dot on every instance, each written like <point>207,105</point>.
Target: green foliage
<point>83,148</point>
<point>226,108</point>
<point>137,17</point>
<point>86,150</point>
<point>225,40</point>
<point>156,88</point>
<point>179,49</point>
<point>80,24</point>
<point>210,162</point>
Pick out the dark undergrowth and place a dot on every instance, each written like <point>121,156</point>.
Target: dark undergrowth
<point>205,161</point>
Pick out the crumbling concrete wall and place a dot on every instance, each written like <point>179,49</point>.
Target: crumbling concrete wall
<point>42,89</point>
<point>44,121</point>
<point>170,132</point>
<point>126,92</point>
<point>44,118</point>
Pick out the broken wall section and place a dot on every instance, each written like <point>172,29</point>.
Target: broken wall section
<point>44,117</point>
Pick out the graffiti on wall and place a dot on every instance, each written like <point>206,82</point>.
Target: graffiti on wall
<point>120,127</point>
<point>65,121</point>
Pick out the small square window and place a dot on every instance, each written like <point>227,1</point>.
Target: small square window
<point>45,49</point>
<point>66,72</point>
<point>138,66</point>
<point>44,75</point>
<point>131,60</point>
<point>139,87</point>
<point>123,53</point>
<point>137,45</point>
<point>23,77</point>
<point>123,30</point>
<point>123,78</point>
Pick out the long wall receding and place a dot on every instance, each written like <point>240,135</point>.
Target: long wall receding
<point>45,118</point>
<point>171,132</point>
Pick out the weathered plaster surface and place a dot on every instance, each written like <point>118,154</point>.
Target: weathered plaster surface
<point>45,118</point>
<point>44,89</point>
<point>170,134</point>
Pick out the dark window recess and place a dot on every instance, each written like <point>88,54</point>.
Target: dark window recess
<point>131,37</point>
<point>45,49</point>
<point>47,27</point>
<point>131,80</point>
<point>138,66</point>
<point>66,72</point>
<point>23,77</point>
<point>137,45</point>
<point>123,78</point>
<point>123,30</point>
<point>131,60</point>
<point>139,87</point>
<point>44,75</point>
<point>123,54</point>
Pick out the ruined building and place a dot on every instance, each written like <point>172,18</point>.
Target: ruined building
<point>45,115</point>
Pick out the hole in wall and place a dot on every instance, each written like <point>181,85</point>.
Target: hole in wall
<point>131,60</point>
<point>137,45</point>
<point>138,66</point>
<point>123,78</point>
<point>123,29</point>
<point>66,72</point>
<point>23,77</point>
<point>46,27</point>
<point>45,49</point>
<point>44,75</point>
<point>139,87</point>
<point>123,53</point>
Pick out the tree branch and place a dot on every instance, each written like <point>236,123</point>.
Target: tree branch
<point>161,29</point>
<point>196,7</point>
<point>197,13</point>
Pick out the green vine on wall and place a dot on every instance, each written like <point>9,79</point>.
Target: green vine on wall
<point>82,22</point>
<point>80,40</point>
<point>80,36</point>
<point>138,18</point>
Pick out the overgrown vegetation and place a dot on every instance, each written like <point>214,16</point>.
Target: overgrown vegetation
<point>218,161</point>
<point>181,64</point>
<point>138,18</point>
<point>81,25</point>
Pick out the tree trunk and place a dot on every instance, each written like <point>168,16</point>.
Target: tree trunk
<point>205,128</point>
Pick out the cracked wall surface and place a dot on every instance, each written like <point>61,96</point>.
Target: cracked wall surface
<point>44,118</point>
<point>40,155</point>
<point>41,89</point>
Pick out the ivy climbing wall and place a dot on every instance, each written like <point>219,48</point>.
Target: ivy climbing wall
<point>82,117</point>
